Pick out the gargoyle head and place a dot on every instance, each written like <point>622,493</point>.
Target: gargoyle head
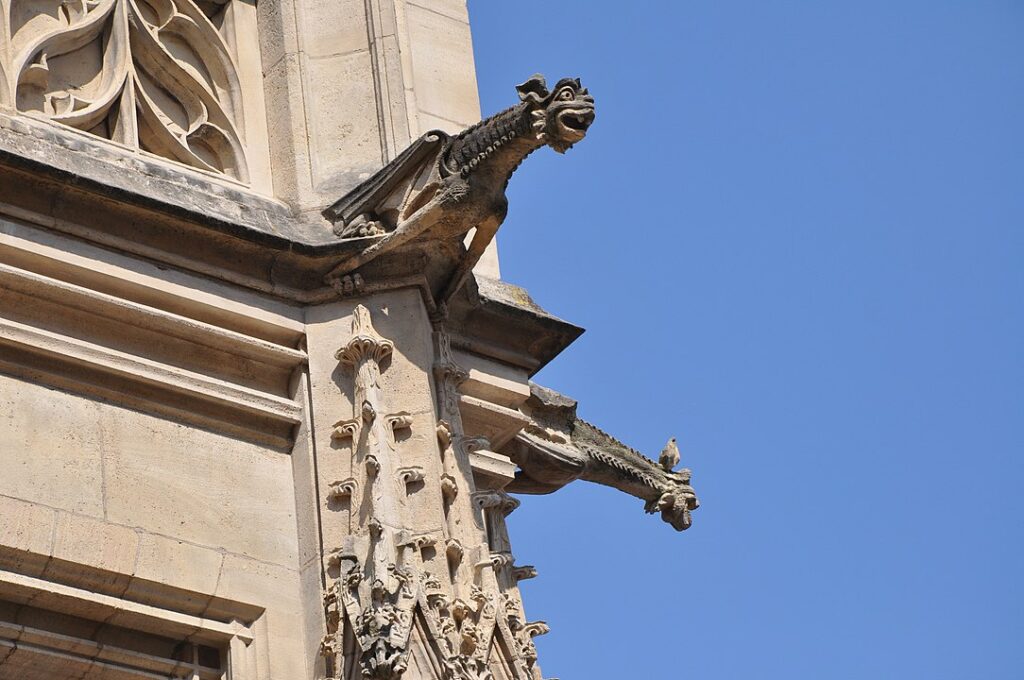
<point>562,115</point>
<point>676,501</point>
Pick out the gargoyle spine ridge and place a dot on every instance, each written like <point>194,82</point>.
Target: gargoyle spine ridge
<point>474,145</point>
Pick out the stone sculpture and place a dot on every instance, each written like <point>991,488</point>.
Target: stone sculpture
<point>442,187</point>
<point>559,447</point>
<point>167,297</point>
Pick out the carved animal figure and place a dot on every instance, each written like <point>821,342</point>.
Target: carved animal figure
<point>442,187</point>
<point>559,447</point>
<point>669,457</point>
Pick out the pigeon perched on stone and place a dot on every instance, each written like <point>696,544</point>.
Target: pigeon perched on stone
<point>669,457</point>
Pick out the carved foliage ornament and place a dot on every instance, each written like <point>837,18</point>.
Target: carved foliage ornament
<point>155,75</point>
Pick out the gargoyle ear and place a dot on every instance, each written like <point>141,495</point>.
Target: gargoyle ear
<point>534,89</point>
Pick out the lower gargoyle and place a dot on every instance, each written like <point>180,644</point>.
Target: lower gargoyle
<point>558,447</point>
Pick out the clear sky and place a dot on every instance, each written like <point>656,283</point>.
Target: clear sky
<point>795,235</point>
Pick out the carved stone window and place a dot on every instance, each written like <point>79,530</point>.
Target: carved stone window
<point>168,77</point>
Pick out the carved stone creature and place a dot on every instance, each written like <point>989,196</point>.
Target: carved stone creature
<point>442,187</point>
<point>559,447</point>
<point>669,457</point>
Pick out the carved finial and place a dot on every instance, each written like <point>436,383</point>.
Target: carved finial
<point>417,541</point>
<point>396,422</point>
<point>496,499</point>
<point>365,342</point>
<point>454,550</point>
<point>411,475</point>
<point>496,561</point>
<point>444,434</point>
<point>346,429</point>
<point>343,489</point>
<point>449,487</point>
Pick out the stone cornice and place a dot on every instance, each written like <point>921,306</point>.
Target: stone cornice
<point>95,190</point>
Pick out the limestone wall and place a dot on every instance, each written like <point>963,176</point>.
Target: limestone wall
<point>165,436</point>
<point>147,494</point>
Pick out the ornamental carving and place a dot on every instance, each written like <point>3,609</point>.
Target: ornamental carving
<point>444,187</point>
<point>155,75</point>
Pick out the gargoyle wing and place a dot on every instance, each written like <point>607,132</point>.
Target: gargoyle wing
<point>368,195</point>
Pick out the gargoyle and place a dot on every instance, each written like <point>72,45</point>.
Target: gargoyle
<point>558,447</point>
<point>442,186</point>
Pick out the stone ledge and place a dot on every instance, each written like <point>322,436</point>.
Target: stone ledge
<point>93,190</point>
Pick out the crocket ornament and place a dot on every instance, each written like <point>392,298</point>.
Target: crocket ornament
<point>442,186</point>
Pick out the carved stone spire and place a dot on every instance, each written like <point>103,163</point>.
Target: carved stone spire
<point>487,602</point>
<point>372,594</point>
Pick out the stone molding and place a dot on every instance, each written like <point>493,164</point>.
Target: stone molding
<point>106,331</point>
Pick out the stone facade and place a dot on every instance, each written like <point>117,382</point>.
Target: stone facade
<point>263,394</point>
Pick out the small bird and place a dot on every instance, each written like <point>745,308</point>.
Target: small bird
<point>669,457</point>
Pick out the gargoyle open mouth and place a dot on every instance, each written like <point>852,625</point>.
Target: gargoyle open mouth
<point>575,122</point>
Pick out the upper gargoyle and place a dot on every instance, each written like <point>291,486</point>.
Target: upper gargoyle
<point>558,447</point>
<point>443,186</point>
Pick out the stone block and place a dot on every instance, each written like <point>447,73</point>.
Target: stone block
<point>177,564</point>
<point>182,482</point>
<point>453,9</point>
<point>286,124</point>
<point>26,532</point>
<point>51,448</point>
<point>344,128</point>
<point>25,526</point>
<point>332,27</point>
<point>264,585</point>
<point>444,76</point>
<point>106,551</point>
<point>494,381</point>
<point>276,31</point>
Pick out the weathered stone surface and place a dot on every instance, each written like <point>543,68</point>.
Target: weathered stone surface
<point>177,563</point>
<point>217,459</point>
<point>26,528</point>
<point>52,448</point>
<point>109,548</point>
<point>182,482</point>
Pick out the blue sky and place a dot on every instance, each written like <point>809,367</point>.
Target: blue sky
<point>795,235</point>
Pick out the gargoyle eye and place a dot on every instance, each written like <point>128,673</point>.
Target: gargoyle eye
<point>566,95</point>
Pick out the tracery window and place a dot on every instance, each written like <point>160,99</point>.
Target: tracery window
<point>161,76</point>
